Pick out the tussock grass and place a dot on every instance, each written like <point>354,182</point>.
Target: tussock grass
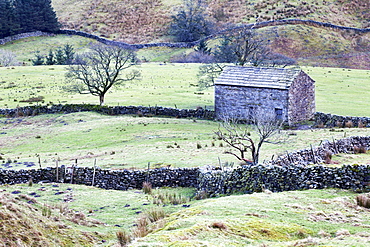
<point>292,218</point>
<point>27,222</point>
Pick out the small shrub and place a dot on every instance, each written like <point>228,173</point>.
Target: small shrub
<point>46,211</point>
<point>147,188</point>
<point>199,146</point>
<point>328,156</point>
<point>363,200</point>
<point>169,198</point>
<point>141,229</point>
<point>123,238</point>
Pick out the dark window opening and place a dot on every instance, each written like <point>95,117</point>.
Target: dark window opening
<point>279,113</point>
<point>251,112</point>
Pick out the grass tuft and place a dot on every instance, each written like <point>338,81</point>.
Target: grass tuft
<point>123,238</point>
<point>147,188</point>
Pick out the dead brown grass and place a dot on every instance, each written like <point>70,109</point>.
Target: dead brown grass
<point>363,200</point>
<point>23,222</point>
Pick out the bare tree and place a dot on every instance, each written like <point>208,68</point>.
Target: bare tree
<point>248,137</point>
<point>241,47</point>
<point>96,72</point>
<point>208,73</point>
<point>8,58</point>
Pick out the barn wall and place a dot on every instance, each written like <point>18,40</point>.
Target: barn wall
<point>301,99</point>
<point>235,101</point>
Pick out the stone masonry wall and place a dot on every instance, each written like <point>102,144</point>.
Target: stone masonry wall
<point>301,99</point>
<point>233,101</point>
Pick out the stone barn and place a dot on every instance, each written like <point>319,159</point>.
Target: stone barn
<point>240,92</point>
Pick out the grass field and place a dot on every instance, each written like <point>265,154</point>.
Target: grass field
<point>115,141</point>
<point>338,91</point>
<point>131,142</point>
<point>296,218</point>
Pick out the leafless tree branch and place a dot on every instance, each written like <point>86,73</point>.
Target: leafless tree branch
<point>96,72</point>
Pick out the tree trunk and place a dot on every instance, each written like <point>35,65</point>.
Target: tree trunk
<point>101,99</point>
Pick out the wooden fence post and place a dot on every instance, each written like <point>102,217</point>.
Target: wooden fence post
<point>93,178</point>
<point>57,171</point>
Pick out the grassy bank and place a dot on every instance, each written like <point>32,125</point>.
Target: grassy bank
<point>297,218</point>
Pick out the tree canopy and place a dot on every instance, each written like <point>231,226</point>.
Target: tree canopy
<point>190,23</point>
<point>20,16</point>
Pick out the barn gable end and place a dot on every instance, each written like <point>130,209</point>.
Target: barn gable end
<point>287,93</point>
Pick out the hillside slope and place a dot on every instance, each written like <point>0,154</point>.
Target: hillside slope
<point>141,21</point>
<point>26,222</point>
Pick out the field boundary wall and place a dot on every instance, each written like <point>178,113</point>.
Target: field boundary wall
<point>213,181</point>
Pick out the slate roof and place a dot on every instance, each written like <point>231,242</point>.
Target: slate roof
<point>257,77</point>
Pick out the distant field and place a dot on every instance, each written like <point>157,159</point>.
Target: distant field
<point>338,91</point>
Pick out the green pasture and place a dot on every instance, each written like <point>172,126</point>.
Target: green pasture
<point>162,84</point>
<point>338,91</point>
<point>132,141</point>
<point>296,218</point>
<point>26,48</point>
<point>118,142</point>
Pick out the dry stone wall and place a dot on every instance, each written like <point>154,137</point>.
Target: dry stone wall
<point>245,179</point>
<point>331,120</point>
<point>283,174</point>
<point>24,35</point>
<point>257,25</point>
<point>317,155</point>
<point>111,110</point>
<point>105,179</point>
<point>249,179</point>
